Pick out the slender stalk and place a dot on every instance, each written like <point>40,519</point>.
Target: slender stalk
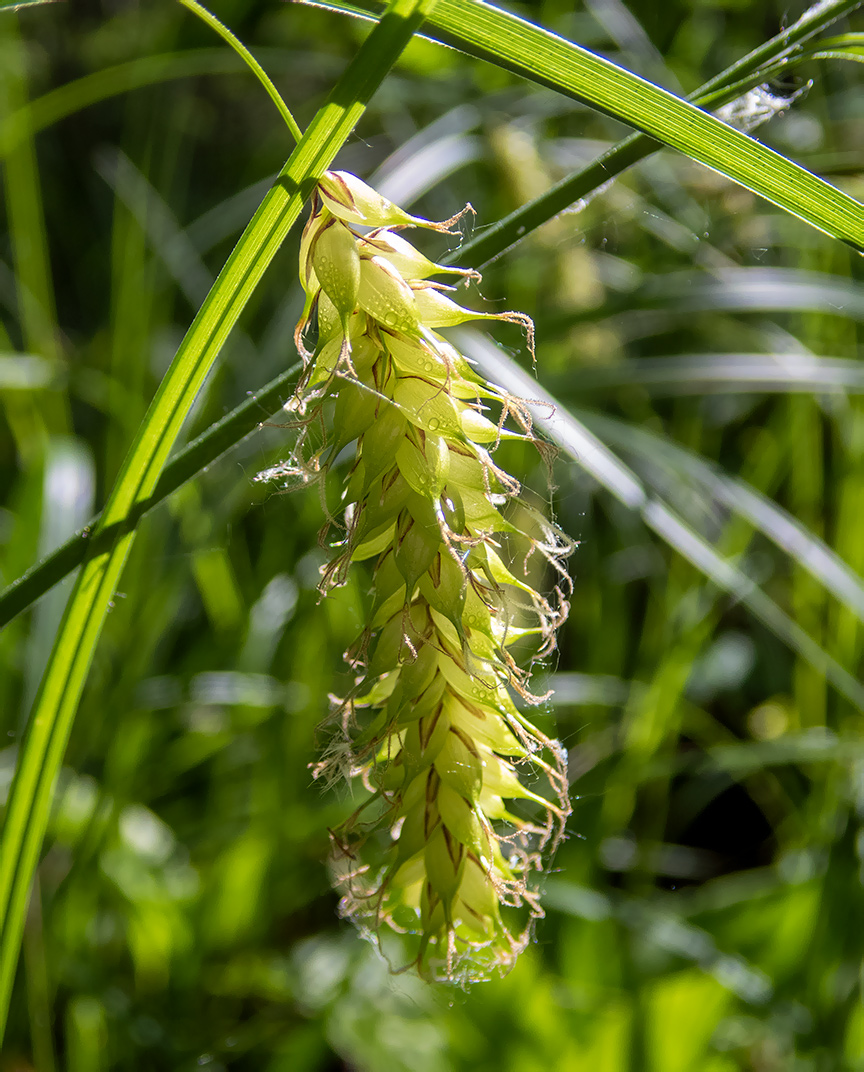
<point>253,64</point>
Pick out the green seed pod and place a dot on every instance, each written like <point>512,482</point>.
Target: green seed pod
<point>486,727</point>
<point>476,684</point>
<point>408,261</point>
<point>386,297</point>
<point>461,820</point>
<point>428,405</point>
<point>422,743</point>
<point>467,471</point>
<point>317,220</point>
<point>414,707</point>
<point>414,356</point>
<point>395,492</point>
<point>437,454</point>
<point>425,513</point>
<point>353,201</point>
<point>353,491</point>
<point>382,440</point>
<point>445,858</point>
<point>481,516</point>
<point>452,510</point>
<point>329,321</point>
<point>444,586</point>
<point>477,895</point>
<point>391,605</point>
<point>465,382</point>
<point>388,648</point>
<point>460,766</point>
<point>388,580</point>
<point>414,467</point>
<point>355,411</point>
<point>337,266</point>
<point>374,543</point>
<point>476,427</point>
<point>436,310</point>
<point>412,836</point>
<point>418,675</point>
<point>414,551</point>
<point>490,562</point>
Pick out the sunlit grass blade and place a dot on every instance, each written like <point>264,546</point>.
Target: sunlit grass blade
<point>16,5</point>
<point>721,89</point>
<point>536,54</point>
<point>760,289</point>
<point>667,299</point>
<point>843,47</point>
<point>51,721</point>
<point>561,65</point>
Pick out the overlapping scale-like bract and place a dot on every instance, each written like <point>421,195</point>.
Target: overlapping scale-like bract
<point>439,849</point>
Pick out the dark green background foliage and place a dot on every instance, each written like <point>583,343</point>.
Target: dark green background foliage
<point>706,911</point>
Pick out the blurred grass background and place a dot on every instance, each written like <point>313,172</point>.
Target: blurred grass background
<point>705,913</point>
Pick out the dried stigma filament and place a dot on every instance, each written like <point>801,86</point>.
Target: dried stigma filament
<point>436,850</point>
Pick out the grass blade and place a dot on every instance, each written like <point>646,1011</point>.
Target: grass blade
<point>26,219</point>
<point>473,27</point>
<point>549,60</point>
<point>16,5</point>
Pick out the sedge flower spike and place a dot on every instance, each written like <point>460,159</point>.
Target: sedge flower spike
<point>441,849</point>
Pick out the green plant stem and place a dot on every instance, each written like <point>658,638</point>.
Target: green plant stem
<point>57,702</point>
<point>255,66</point>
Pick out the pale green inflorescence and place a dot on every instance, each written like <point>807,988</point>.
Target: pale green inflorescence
<point>435,850</point>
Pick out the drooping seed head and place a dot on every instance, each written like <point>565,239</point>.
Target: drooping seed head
<point>450,839</point>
